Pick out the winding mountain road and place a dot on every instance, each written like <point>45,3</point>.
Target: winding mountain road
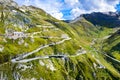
<point>110,57</point>
<point>93,43</point>
<point>38,49</point>
<point>48,57</point>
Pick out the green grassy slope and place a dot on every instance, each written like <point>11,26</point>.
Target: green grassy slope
<point>39,26</point>
<point>112,45</point>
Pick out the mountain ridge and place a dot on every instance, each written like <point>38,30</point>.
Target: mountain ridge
<point>36,46</point>
<point>106,19</point>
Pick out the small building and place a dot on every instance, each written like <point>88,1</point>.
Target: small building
<point>15,35</point>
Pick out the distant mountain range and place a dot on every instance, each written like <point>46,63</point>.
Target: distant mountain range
<point>106,19</point>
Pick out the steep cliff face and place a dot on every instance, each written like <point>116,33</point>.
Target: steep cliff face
<point>36,46</point>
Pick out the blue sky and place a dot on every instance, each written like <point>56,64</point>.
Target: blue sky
<point>70,9</point>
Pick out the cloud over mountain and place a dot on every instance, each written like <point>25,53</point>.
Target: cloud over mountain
<point>74,7</point>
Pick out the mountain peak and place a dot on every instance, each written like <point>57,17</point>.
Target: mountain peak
<point>107,19</point>
<point>8,2</point>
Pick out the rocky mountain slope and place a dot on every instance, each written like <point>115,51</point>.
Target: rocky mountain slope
<point>36,46</point>
<point>108,19</point>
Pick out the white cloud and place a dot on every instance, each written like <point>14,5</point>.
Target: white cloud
<point>72,2</point>
<point>52,7</point>
<point>58,15</point>
<point>75,12</point>
<point>88,6</point>
<point>77,7</point>
<point>26,2</point>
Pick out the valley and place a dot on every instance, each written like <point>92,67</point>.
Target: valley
<point>36,46</point>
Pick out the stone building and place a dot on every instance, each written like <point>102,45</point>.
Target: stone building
<point>15,35</point>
